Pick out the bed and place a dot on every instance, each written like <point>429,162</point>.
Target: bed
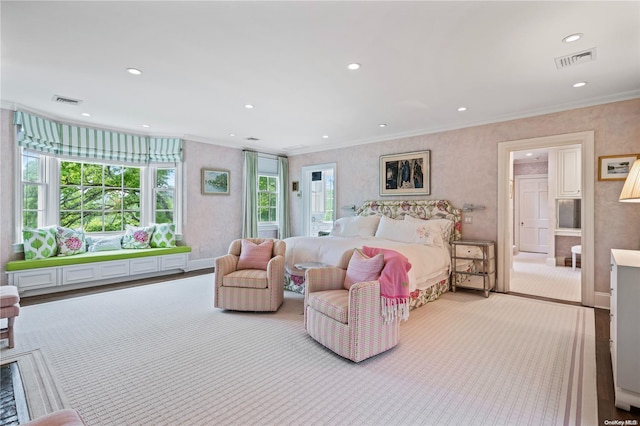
<point>422,230</point>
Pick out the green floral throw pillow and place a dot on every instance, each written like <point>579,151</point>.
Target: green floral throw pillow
<point>70,241</point>
<point>39,243</point>
<point>164,235</point>
<point>137,237</point>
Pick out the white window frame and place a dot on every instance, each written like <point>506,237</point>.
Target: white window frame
<point>268,226</point>
<point>51,177</point>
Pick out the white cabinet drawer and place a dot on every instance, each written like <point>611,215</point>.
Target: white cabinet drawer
<point>114,269</point>
<point>143,265</point>
<point>80,273</point>
<point>176,261</point>
<point>34,279</point>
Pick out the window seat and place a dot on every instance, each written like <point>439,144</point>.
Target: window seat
<point>62,273</point>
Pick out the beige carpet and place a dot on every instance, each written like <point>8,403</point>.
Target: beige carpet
<point>162,355</point>
<point>531,275</point>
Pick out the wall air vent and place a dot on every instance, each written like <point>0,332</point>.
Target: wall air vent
<point>252,139</point>
<point>66,101</point>
<point>576,58</point>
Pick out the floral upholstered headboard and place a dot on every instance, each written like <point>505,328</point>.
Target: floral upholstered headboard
<point>422,209</point>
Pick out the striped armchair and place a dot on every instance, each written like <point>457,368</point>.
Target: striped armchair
<point>349,322</point>
<point>250,289</point>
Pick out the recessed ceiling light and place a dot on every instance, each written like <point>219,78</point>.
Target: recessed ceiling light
<point>232,134</point>
<point>462,109</point>
<point>86,114</point>
<point>146,126</point>
<point>248,106</point>
<point>134,71</point>
<point>353,66</point>
<point>382,125</point>
<point>325,136</point>
<point>529,154</point>
<point>572,37</point>
<point>580,84</point>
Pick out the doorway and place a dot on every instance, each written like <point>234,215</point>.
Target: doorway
<point>318,199</point>
<point>506,193</point>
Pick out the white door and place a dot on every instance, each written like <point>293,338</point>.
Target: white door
<point>318,199</point>
<point>533,214</point>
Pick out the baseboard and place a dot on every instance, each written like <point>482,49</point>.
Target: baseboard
<point>602,300</point>
<point>194,265</point>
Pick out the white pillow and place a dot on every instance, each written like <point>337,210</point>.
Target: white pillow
<point>408,232</point>
<point>355,226</point>
<point>442,226</point>
<point>106,244</point>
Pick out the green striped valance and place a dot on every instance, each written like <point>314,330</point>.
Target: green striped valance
<point>42,135</point>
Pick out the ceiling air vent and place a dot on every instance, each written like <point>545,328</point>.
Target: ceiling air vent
<point>576,58</point>
<point>252,139</point>
<point>67,101</point>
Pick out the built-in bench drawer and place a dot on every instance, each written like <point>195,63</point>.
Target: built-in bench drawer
<point>175,261</point>
<point>34,279</point>
<point>143,265</point>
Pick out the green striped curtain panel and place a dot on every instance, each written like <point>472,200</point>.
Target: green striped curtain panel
<point>42,135</point>
<point>38,134</point>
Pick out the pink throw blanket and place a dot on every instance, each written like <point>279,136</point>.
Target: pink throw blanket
<point>394,283</point>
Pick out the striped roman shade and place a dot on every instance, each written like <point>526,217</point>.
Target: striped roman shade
<point>46,136</point>
<point>84,142</point>
<point>38,134</point>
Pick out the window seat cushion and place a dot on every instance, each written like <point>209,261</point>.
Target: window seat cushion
<point>102,256</point>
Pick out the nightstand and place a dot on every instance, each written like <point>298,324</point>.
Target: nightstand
<point>482,273</point>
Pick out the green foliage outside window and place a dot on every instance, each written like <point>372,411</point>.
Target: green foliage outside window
<point>267,199</point>
<point>99,197</point>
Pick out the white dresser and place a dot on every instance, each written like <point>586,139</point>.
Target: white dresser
<point>625,326</point>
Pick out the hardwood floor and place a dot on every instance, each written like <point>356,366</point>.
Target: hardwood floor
<point>607,411</point>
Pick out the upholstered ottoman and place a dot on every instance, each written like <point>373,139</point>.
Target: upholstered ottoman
<point>9,309</point>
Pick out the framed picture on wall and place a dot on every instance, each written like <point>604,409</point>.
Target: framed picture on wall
<point>405,174</point>
<point>615,167</point>
<point>215,182</point>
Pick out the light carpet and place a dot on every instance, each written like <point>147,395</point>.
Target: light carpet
<point>162,355</point>
<point>531,275</point>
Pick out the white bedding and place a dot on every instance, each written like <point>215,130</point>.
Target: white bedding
<point>427,262</point>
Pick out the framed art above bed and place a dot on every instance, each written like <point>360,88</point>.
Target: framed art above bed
<point>405,174</point>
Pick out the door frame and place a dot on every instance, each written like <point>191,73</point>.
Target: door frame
<point>586,141</point>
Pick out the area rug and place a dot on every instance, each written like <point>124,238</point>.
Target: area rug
<point>35,388</point>
<point>163,355</point>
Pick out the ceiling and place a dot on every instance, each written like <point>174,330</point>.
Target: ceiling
<point>203,61</point>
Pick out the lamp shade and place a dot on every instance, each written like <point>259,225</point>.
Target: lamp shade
<point>631,189</point>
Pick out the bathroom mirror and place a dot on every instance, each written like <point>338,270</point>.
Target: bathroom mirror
<point>569,213</point>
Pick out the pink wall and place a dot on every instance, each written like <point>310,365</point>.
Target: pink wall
<point>464,170</point>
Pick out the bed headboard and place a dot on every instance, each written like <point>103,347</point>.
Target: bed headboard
<point>423,209</point>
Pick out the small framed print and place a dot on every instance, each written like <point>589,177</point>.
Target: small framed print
<point>615,167</point>
<point>215,182</point>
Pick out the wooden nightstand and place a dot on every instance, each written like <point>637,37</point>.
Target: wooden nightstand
<point>482,276</point>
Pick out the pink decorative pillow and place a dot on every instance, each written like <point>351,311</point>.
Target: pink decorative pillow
<point>363,268</point>
<point>254,256</point>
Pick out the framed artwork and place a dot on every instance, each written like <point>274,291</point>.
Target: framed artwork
<point>405,174</point>
<point>615,167</point>
<point>215,182</point>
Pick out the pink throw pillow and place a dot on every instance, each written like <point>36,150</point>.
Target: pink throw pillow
<point>254,256</point>
<point>363,268</point>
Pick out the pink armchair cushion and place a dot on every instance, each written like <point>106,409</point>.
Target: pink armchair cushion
<point>332,303</point>
<point>250,278</point>
<point>255,256</point>
<point>363,268</point>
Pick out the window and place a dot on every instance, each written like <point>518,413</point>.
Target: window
<point>34,190</point>
<point>99,197</point>
<point>164,194</point>
<point>96,196</point>
<point>267,199</point>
